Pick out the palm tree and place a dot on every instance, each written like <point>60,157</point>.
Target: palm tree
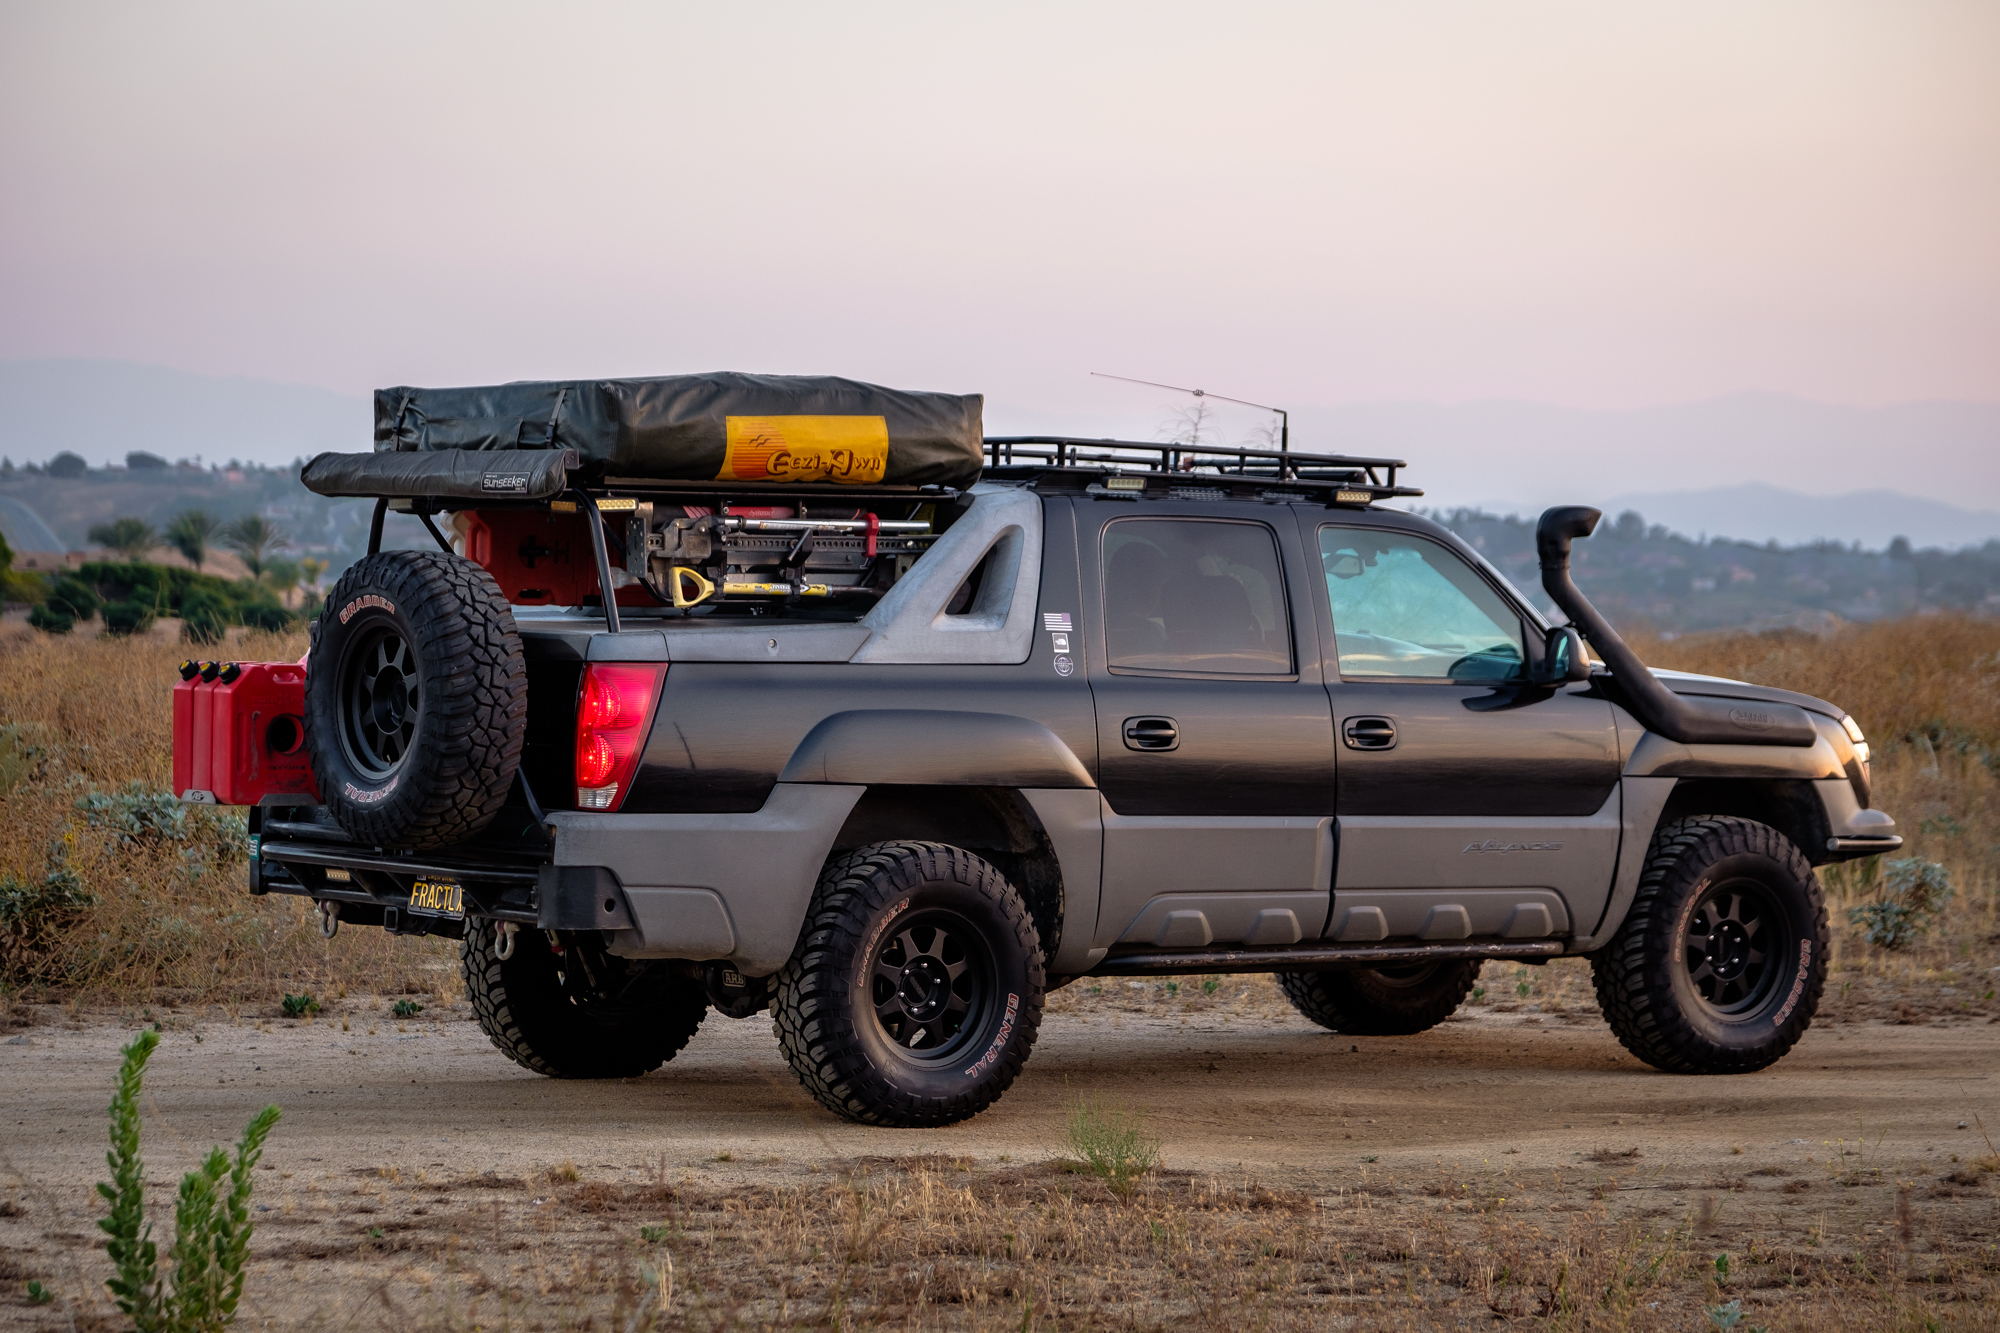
<point>255,539</point>
<point>130,537</point>
<point>192,532</point>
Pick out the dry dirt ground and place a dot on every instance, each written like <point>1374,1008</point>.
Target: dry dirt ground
<point>1514,1166</point>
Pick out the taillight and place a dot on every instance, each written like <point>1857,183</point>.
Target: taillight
<point>613,715</point>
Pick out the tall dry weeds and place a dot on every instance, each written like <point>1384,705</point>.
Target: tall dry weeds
<point>159,914</point>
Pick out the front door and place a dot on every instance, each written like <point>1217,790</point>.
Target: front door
<point>1215,751</point>
<point>1472,803</point>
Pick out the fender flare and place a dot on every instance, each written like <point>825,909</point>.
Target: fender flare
<point>934,748</point>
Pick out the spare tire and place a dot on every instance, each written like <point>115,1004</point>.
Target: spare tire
<point>416,699</point>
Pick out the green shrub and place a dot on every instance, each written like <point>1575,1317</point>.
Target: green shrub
<point>406,1009</point>
<point>1110,1144</point>
<point>1914,895</point>
<point>52,619</point>
<point>75,595</point>
<point>212,1223</point>
<point>298,1006</point>
<point>205,617</point>
<point>134,617</point>
<point>137,815</point>
<point>264,613</point>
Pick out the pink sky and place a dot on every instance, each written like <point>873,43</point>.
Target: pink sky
<point>1583,204</point>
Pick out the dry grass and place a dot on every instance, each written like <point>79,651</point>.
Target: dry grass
<point>170,919</point>
<point>941,1242</point>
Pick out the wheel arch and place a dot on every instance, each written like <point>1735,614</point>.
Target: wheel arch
<point>998,824</point>
<point>1791,806</point>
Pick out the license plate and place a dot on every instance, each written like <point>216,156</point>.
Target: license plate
<point>436,897</point>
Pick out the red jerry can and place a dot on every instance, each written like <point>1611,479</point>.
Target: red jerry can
<point>192,699</point>
<point>257,733</point>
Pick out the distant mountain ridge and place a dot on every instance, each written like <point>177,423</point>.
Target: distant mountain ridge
<point>106,409</point>
<point>1757,512</point>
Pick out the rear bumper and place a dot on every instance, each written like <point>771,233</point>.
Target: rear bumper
<point>376,888</point>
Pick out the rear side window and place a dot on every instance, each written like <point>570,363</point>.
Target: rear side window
<point>1409,608</point>
<point>1195,595</point>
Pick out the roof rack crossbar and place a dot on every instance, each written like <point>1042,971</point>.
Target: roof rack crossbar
<point>1069,451</point>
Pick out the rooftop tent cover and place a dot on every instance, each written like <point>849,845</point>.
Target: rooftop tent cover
<point>711,427</point>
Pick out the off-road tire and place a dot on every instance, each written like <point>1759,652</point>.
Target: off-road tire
<point>1647,977</point>
<point>1384,1002</point>
<point>534,1013</point>
<point>446,769</point>
<point>868,920</point>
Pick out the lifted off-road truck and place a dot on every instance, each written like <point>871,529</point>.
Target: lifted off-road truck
<point>741,693</point>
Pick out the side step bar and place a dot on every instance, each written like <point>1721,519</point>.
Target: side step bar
<point>1314,957</point>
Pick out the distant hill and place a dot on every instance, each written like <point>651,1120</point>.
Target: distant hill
<point>1756,512</point>
<point>106,409</point>
<point>1514,457</point>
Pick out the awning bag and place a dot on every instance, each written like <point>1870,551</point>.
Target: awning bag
<point>448,474</point>
<point>712,427</point>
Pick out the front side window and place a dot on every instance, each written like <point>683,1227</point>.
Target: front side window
<point>1195,595</point>
<point>1406,607</point>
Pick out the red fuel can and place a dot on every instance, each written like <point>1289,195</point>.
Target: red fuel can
<point>240,733</point>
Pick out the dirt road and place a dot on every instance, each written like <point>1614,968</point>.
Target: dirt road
<point>1238,1089</point>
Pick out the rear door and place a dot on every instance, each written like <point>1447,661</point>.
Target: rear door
<point>1215,750</point>
<point>1471,803</point>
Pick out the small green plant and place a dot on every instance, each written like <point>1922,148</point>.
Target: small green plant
<point>1726,1316</point>
<point>655,1235</point>
<point>39,1294</point>
<point>1210,985</point>
<point>212,1223</point>
<point>1722,1268</point>
<point>406,1009</point>
<point>1523,989</point>
<point>374,1233</point>
<point>298,1006</point>
<point>1112,1145</point>
<point>1173,988</point>
<point>1914,895</point>
<point>1478,994</point>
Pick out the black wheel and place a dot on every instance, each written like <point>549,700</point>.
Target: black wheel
<point>915,992</point>
<point>580,1012</point>
<point>1719,965</point>
<point>416,699</point>
<point>1381,1001</point>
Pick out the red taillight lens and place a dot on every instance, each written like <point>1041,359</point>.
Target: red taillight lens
<point>612,719</point>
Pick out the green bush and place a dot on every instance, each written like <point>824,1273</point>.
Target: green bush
<point>1914,895</point>
<point>52,620</point>
<point>134,617</point>
<point>265,613</point>
<point>137,815</point>
<point>76,594</point>
<point>205,617</point>
<point>212,1223</point>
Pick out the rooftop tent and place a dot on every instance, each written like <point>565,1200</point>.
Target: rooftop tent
<point>723,426</point>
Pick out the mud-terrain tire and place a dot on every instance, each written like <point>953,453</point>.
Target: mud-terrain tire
<point>1381,1002</point>
<point>915,992</point>
<point>1719,965</point>
<point>545,1015</point>
<point>416,699</point>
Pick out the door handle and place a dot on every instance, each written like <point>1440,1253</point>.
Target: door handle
<point>1369,733</point>
<point>1152,733</point>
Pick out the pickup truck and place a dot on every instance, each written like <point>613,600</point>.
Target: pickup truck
<point>892,761</point>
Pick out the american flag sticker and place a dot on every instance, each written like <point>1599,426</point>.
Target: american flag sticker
<point>1056,622</point>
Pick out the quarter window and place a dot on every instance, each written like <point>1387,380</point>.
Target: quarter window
<point>1406,607</point>
<point>1195,595</point>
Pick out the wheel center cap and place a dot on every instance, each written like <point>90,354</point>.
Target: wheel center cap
<point>1728,950</point>
<point>392,700</point>
<point>923,989</point>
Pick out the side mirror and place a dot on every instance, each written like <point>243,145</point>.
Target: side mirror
<point>1564,659</point>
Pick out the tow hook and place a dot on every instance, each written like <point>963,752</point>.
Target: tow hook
<point>503,939</point>
<point>328,913</point>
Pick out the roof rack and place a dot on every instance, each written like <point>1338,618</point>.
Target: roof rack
<point>1072,452</point>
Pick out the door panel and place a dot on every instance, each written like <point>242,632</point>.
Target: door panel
<point>1471,802</point>
<point>1215,748</point>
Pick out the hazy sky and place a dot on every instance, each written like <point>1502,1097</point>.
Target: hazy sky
<point>1590,204</point>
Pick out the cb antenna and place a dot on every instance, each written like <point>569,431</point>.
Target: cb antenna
<point>1284,417</point>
